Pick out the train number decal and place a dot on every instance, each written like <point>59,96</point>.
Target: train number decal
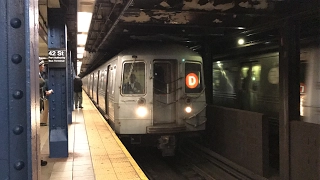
<point>192,80</point>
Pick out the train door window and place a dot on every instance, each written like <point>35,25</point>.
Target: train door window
<point>303,73</point>
<point>193,80</point>
<point>111,81</point>
<point>102,80</point>
<point>113,78</point>
<point>133,80</point>
<point>162,83</point>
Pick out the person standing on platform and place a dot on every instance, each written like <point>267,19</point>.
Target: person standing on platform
<point>43,101</point>
<point>77,91</point>
<point>44,92</point>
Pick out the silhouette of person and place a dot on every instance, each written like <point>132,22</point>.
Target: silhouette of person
<point>132,86</point>
<point>246,87</point>
<point>246,82</point>
<point>44,93</point>
<point>77,91</point>
<point>43,104</point>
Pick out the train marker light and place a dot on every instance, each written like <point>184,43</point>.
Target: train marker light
<point>188,109</point>
<point>141,111</point>
<point>192,80</point>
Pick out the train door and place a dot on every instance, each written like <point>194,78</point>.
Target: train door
<point>92,85</point>
<point>110,91</point>
<point>107,90</point>
<point>102,90</point>
<point>164,91</point>
<point>250,80</point>
<point>97,88</point>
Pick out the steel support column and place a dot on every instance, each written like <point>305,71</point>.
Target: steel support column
<point>70,87</point>
<point>207,68</point>
<point>19,100</point>
<point>289,84</point>
<point>58,81</point>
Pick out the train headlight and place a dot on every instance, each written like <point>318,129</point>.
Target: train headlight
<point>141,111</point>
<point>188,109</point>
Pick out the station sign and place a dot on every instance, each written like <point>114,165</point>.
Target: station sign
<point>57,58</point>
<point>192,80</point>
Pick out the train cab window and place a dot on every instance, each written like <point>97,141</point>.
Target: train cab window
<point>193,80</point>
<point>133,80</point>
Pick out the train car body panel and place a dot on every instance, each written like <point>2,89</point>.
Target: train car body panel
<point>309,85</point>
<point>252,84</point>
<point>246,83</point>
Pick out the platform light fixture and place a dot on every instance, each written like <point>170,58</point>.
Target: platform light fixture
<point>79,63</point>
<point>84,21</point>
<point>79,56</point>
<point>81,39</point>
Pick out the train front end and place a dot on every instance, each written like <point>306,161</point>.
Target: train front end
<point>161,96</point>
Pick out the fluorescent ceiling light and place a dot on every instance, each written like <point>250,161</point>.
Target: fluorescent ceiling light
<point>79,63</point>
<point>84,20</point>
<point>80,56</point>
<point>82,39</point>
<point>80,50</point>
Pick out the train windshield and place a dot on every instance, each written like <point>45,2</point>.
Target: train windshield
<point>133,80</point>
<point>193,80</point>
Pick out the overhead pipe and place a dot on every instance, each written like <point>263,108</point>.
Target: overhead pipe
<point>115,4</point>
<point>114,24</point>
<point>106,37</point>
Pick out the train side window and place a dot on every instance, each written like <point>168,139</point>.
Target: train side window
<point>250,77</point>
<point>193,80</point>
<point>256,69</point>
<point>133,79</point>
<point>216,79</point>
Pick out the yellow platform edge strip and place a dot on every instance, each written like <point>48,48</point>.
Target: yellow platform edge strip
<point>140,173</point>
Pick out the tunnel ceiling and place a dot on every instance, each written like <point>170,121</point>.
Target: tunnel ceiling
<point>117,24</point>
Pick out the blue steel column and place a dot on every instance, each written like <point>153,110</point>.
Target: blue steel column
<point>58,126</point>
<point>19,100</point>
<point>289,90</point>
<point>69,84</point>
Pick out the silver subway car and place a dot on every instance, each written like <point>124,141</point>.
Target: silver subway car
<point>151,93</point>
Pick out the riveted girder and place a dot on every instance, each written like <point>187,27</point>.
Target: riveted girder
<point>19,100</point>
<point>58,81</point>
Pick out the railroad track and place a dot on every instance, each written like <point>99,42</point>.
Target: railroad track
<point>191,162</point>
<point>215,166</point>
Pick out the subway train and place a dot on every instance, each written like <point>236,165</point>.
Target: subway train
<point>252,83</point>
<point>151,94</point>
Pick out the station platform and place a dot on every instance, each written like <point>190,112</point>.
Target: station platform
<point>95,152</point>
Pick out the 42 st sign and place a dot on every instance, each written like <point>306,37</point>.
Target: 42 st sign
<point>57,58</point>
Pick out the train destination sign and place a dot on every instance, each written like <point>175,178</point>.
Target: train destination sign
<point>192,80</point>
<point>57,58</point>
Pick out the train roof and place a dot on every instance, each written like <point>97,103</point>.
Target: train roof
<point>158,49</point>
